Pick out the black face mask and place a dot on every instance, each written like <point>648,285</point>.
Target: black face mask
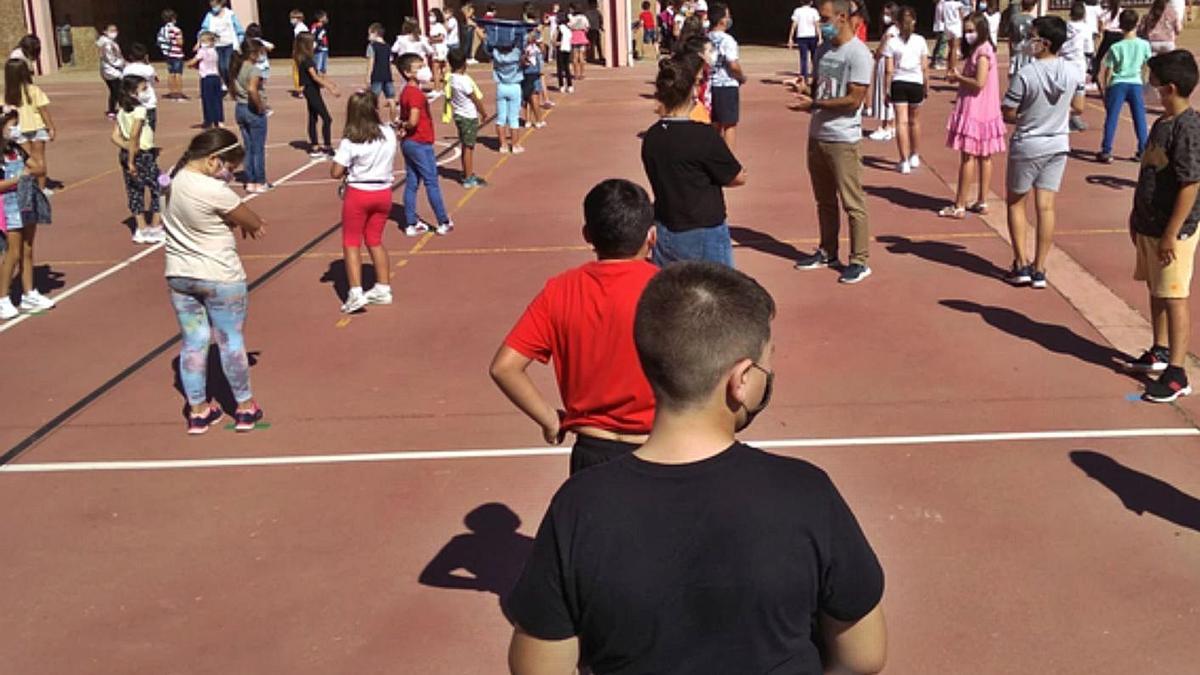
<point>751,413</point>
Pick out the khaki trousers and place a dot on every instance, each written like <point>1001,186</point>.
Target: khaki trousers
<point>836,171</point>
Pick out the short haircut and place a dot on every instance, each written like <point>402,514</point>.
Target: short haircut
<point>717,11</point>
<point>1028,4</point>
<point>406,61</point>
<point>138,52</point>
<point>840,6</point>
<point>376,28</point>
<point>1128,20</point>
<point>694,321</point>
<point>1053,30</point>
<point>457,59</point>
<point>617,215</point>
<point>1177,67</point>
<point>168,15</point>
<point>1078,11</point>
<point>320,15</point>
<point>675,81</point>
<point>645,5</point>
<point>295,14</point>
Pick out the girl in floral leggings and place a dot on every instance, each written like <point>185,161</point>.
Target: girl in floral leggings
<point>205,276</point>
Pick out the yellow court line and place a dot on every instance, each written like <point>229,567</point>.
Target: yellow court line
<point>109,172</point>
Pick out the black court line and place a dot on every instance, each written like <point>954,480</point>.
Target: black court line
<point>75,408</point>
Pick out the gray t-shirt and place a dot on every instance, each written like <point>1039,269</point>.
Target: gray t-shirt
<point>241,93</point>
<point>1042,92</point>
<point>837,68</point>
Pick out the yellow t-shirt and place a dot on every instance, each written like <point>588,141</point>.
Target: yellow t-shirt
<point>28,115</point>
<point>125,122</point>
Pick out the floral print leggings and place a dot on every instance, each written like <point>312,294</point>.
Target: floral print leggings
<point>203,308</point>
<point>145,177</point>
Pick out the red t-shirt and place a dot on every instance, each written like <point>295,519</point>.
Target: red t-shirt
<point>648,19</point>
<point>583,319</point>
<point>411,97</point>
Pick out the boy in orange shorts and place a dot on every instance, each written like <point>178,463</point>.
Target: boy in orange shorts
<point>1164,221</point>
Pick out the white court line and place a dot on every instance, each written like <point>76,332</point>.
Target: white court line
<point>101,276</point>
<point>495,453</point>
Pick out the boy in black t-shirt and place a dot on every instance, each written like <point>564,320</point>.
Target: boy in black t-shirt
<point>688,165</point>
<point>1163,223</point>
<point>697,554</point>
<point>379,70</point>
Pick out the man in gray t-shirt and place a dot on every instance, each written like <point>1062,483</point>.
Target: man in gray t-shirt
<point>835,98</point>
<point>1040,99</point>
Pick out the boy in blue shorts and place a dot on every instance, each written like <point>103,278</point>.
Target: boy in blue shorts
<point>379,69</point>
<point>170,43</point>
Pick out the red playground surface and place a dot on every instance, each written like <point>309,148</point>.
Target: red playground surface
<point>1030,513</point>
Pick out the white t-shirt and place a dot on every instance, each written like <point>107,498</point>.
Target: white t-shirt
<point>407,44</point>
<point>1079,42</point>
<point>462,86</point>
<point>299,28</point>
<point>564,38</point>
<point>369,166</point>
<point>806,19</point>
<point>146,72</point>
<point>451,31</point>
<point>907,58</point>
<point>440,49</point>
<point>993,20</point>
<point>700,6</point>
<point>200,245</point>
<point>725,50</point>
<point>1091,16</point>
<point>1110,23</point>
<point>952,17</point>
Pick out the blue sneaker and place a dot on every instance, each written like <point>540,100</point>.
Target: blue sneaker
<point>818,259</point>
<point>1037,279</point>
<point>199,424</point>
<point>854,273</point>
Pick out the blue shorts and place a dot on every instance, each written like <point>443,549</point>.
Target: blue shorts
<point>388,89</point>
<point>175,66</point>
<point>710,244</point>
<point>649,36</point>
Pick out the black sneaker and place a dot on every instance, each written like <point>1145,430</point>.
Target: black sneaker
<point>1153,360</point>
<point>818,259</point>
<point>1019,276</point>
<point>854,273</point>
<point>1137,157</point>
<point>1037,279</point>
<point>1104,158</point>
<point>246,419</point>
<point>199,424</point>
<point>1169,386</point>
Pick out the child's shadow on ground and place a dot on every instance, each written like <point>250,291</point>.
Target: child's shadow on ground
<point>336,276</point>
<point>488,558</point>
<point>907,198</point>
<point>945,253</point>
<point>1112,182</point>
<point>761,241</point>
<point>450,173</point>
<point>490,142</point>
<point>218,387</point>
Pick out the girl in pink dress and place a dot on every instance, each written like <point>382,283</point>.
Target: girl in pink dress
<point>976,127</point>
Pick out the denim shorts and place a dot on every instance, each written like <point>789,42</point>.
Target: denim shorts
<point>35,135</point>
<point>388,89</point>
<point>175,66</point>
<point>711,244</point>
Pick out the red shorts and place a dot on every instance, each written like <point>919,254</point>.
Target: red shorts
<point>364,215</point>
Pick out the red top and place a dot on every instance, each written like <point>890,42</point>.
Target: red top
<point>647,19</point>
<point>583,319</point>
<point>411,97</point>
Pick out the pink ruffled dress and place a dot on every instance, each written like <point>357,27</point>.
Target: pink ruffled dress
<point>976,126</point>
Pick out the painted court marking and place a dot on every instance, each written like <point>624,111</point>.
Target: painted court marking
<point>501,453</point>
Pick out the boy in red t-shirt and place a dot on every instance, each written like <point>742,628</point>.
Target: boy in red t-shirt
<point>583,320</point>
<point>649,34</point>
<point>420,163</point>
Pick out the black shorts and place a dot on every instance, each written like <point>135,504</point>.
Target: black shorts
<point>590,451</point>
<point>528,86</point>
<point>726,105</point>
<point>909,93</point>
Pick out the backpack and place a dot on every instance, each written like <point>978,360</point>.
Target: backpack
<point>164,40</point>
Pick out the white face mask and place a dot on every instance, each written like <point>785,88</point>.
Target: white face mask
<point>887,20</point>
<point>13,133</point>
<point>112,34</point>
<point>144,97</point>
<point>971,37</point>
<point>424,75</point>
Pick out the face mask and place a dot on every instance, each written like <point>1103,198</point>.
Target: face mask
<point>971,37</point>
<point>887,20</point>
<point>224,174</point>
<point>112,34</point>
<point>144,97</point>
<point>728,23</point>
<point>751,413</point>
<point>216,9</point>
<point>828,31</point>
<point>13,133</point>
<point>424,75</point>
<point>983,6</point>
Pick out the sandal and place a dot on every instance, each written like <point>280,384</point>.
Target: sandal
<point>979,207</point>
<point>952,211</point>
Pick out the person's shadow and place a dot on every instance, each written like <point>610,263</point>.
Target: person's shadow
<point>944,253</point>
<point>335,276</point>
<point>1140,492</point>
<point>762,241</point>
<point>1051,337</point>
<point>488,558</point>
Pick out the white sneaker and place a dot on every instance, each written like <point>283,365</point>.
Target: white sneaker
<point>472,62</point>
<point>319,156</point>
<point>914,161</point>
<point>378,296</point>
<point>154,235</point>
<point>144,235</point>
<point>7,311</point>
<point>417,230</point>
<point>539,125</point>
<point>504,150</point>
<point>48,192</point>
<point>904,167</point>
<point>879,134</point>
<point>518,149</point>
<point>35,302</point>
<point>354,302</point>
<point>445,228</point>
<point>571,89</point>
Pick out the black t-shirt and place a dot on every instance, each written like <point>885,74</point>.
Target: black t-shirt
<point>381,67</point>
<point>688,165</point>
<point>1172,157</point>
<point>307,83</point>
<point>718,566</point>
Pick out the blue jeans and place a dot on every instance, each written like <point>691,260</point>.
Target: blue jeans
<point>211,103</point>
<point>807,46</point>
<point>1124,92</point>
<point>224,54</point>
<point>203,307</point>
<point>420,166</point>
<point>710,244</point>
<point>387,89</point>
<point>508,105</point>
<point>254,137</point>
<point>321,60</point>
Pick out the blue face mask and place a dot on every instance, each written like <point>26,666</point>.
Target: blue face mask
<point>729,23</point>
<point>828,31</point>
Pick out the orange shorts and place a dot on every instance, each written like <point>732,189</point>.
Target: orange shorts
<point>1170,281</point>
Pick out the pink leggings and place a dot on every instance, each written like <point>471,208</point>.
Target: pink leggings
<point>364,215</point>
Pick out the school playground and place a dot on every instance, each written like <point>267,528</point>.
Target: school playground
<point>1031,514</point>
